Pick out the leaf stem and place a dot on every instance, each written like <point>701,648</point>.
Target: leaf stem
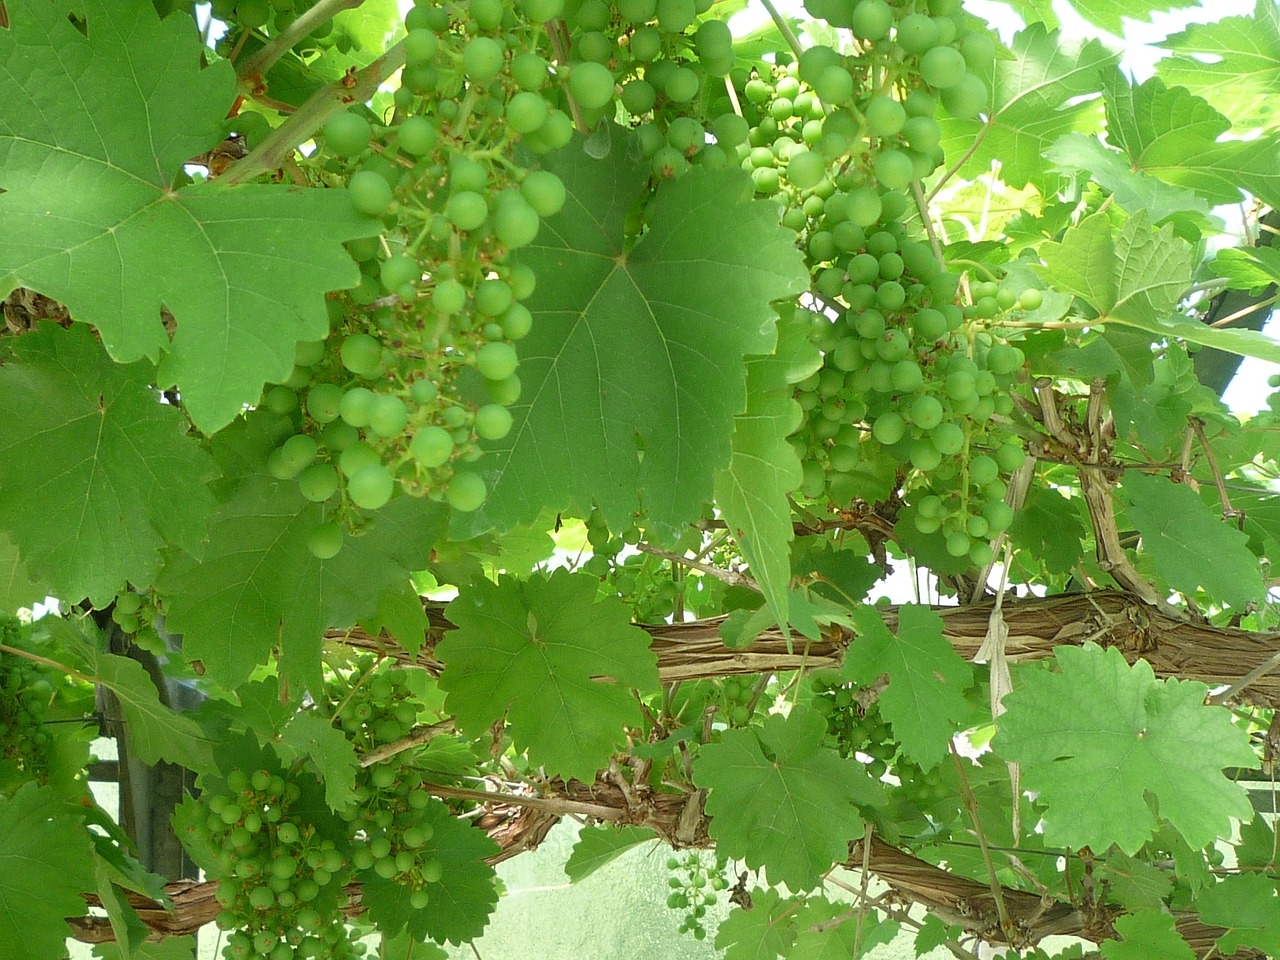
<point>728,576</point>
<point>971,805</point>
<point>952,170</point>
<point>310,117</point>
<point>54,664</point>
<point>266,58</point>
<point>784,28</point>
<point>1239,314</point>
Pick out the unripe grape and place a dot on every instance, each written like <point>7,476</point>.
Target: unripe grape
<point>371,486</point>
<point>493,422</point>
<point>967,98</point>
<point>431,446</point>
<point>871,20</point>
<point>347,133</point>
<point>466,492</point>
<point>387,415</point>
<point>515,221</point>
<point>324,541</point>
<point>526,112</point>
<point>362,355</point>
<point>591,85</point>
<point>318,482</point>
<point>466,210</point>
<point>544,191</point>
<point>482,59</point>
<point>369,192</point>
<point>942,67</point>
<point>323,400</point>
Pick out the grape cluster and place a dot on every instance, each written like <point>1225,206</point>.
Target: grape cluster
<point>854,720</point>
<point>391,823</point>
<point>737,694</point>
<point>694,887</point>
<point>913,384</point>
<point>419,370</point>
<point>281,884</point>
<point>25,691</point>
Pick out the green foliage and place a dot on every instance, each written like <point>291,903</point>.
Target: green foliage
<point>97,219</point>
<point>1190,546</point>
<point>675,342</point>
<point>557,663</point>
<point>1247,906</point>
<point>87,448</point>
<point>782,801</point>
<point>1149,933</point>
<point>1063,729</point>
<point>45,864</point>
<point>924,701</point>
<point>600,845</point>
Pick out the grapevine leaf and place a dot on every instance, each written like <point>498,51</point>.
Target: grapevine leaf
<point>634,368</point>
<point>46,863</point>
<point>1104,742</point>
<point>752,491</point>
<point>560,664</point>
<point>1136,884</point>
<point>924,701</point>
<point>255,585</point>
<point>400,613</point>
<point>1191,547</point>
<point>404,947</point>
<point>1036,98</point>
<point>933,933</point>
<point>1109,14</point>
<point>126,925</point>
<point>1248,907</point>
<point>1176,136</point>
<point>763,932</point>
<point>1147,935</point>
<point>1257,844</point>
<point>1048,526</point>
<point>1248,268</point>
<point>461,901</point>
<point>87,448</point>
<point>599,845</point>
<point>1243,78</point>
<point>781,800</point>
<point>156,732</point>
<point>310,735</point>
<point>17,587</point>
<point>170,948</point>
<point>830,931</point>
<point>1133,189</point>
<point>96,128</point>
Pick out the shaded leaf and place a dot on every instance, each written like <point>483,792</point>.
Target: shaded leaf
<point>602,844</point>
<point>1247,905</point>
<point>1147,935</point>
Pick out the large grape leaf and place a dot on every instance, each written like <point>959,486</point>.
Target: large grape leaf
<point>558,663</point>
<point>463,898</point>
<point>46,862</point>
<point>781,800</point>
<point>1035,98</point>
<point>1247,905</point>
<point>95,128</point>
<point>96,474</point>
<point>602,844</point>
<point>1110,14</point>
<point>634,368</point>
<point>924,701</point>
<point>1048,527</point>
<point>310,735</point>
<point>763,932</point>
<point>1133,189</point>
<point>256,586</point>
<point>1147,935</point>
<point>1104,743</point>
<point>829,930</point>
<point>17,587</point>
<point>1177,136</point>
<point>1242,78</point>
<point>1192,548</point>
<point>752,491</point>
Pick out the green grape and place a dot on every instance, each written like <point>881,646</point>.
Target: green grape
<point>361,354</point>
<point>638,97</point>
<point>805,170</point>
<point>888,428</point>
<point>496,361</point>
<point>682,85</point>
<point>505,391</point>
<point>387,415</point>
<point>871,20</point>
<point>1030,299</point>
<point>281,400</point>
<point>516,321</point>
<point>493,422</point>
<point>482,59</point>
<point>948,437</point>
<point>431,446</point>
<point>466,210</point>
<point>324,541</point>
<point>322,402</point>
<point>526,112</point>
<point>675,16</point>
<point>885,116</point>
<point>967,97</point>
<point>529,71</point>
<point>466,492</point>
<point>347,133</point>
<point>253,13</point>
<point>371,486</point>
<point>353,408</point>
<point>540,11</point>
<point>370,193</point>
<point>515,221</point>
<point>591,85</point>
<point>307,353</point>
<point>449,296</point>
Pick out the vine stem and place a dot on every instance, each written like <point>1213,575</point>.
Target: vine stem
<point>310,117</point>
<point>415,738</point>
<point>952,170</point>
<point>1239,314</point>
<point>36,658</point>
<point>266,58</point>
<point>554,806</point>
<point>784,28</point>
<point>971,805</point>
<point>923,206</point>
<point>728,576</point>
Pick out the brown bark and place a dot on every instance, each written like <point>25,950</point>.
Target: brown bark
<point>1180,648</point>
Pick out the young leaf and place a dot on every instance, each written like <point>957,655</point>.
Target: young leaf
<point>87,448</point>
<point>1049,527</point>
<point>1147,935</point>
<point>781,800</point>
<point>752,491</point>
<point>1247,905</point>
<point>1105,744</point>
<point>1136,884</point>
<point>46,862</point>
<point>830,931</point>
<point>461,901</point>
<point>310,735</point>
<point>90,153</point>
<point>1035,99</point>
<point>924,701</point>
<point>1244,78</point>
<point>558,663</point>
<point>1192,548</point>
<point>634,368</point>
<point>602,844</point>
